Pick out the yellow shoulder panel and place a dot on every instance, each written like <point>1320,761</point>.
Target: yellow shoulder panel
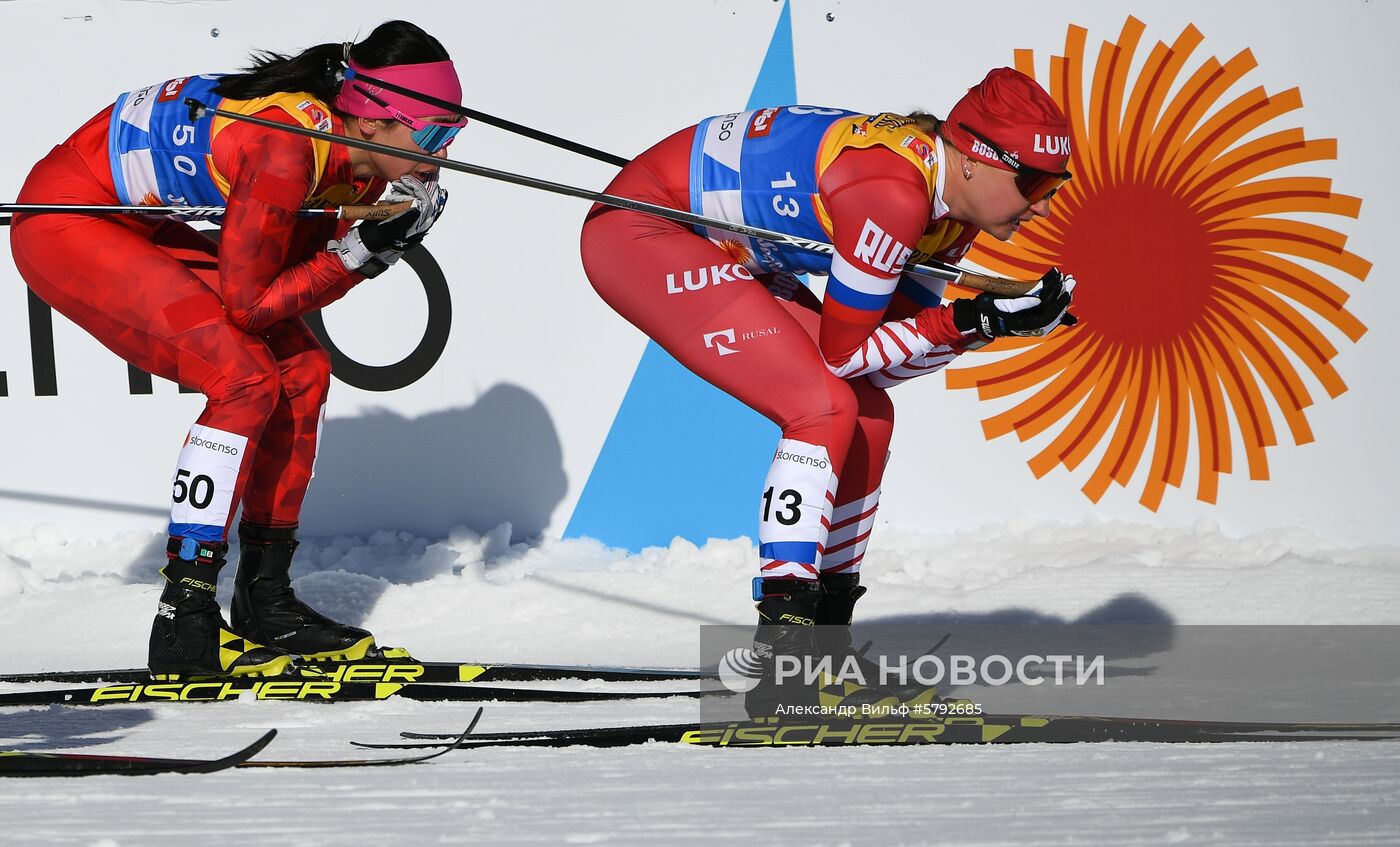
<point>896,132</point>
<point>306,109</point>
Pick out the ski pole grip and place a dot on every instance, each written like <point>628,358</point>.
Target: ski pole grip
<point>375,212</point>
<point>197,109</point>
<point>994,285</point>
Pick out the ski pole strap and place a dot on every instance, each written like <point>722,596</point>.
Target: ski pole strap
<point>348,73</point>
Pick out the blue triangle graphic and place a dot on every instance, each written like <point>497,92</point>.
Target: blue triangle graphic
<point>682,457</point>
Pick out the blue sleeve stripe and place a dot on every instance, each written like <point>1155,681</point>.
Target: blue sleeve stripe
<point>789,551</point>
<point>847,296</point>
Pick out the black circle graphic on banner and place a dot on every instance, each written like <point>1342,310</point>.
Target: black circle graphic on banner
<point>416,364</point>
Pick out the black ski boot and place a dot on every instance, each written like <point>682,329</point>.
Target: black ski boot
<point>266,609</point>
<point>787,612</point>
<point>189,637</point>
<point>834,613</point>
<point>835,609</point>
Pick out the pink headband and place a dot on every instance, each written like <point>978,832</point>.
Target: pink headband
<point>436,79</point>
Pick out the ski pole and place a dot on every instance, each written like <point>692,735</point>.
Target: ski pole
<point>933,270</point>
<point>373,212</point>
<point>345,73</point>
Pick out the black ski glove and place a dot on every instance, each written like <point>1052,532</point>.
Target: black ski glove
<point>1035,313</point>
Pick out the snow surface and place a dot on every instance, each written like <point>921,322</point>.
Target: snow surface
<point>72,605</point>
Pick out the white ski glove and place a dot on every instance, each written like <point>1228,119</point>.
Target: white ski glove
<point>371,247</point>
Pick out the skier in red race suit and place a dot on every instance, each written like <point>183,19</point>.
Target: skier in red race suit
<point>227,318</point>
<point>888,191</point>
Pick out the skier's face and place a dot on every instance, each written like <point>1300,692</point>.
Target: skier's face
<point>996,204</point>
<point>385,165</point>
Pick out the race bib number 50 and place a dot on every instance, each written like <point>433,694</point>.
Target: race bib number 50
<point>202,488</point>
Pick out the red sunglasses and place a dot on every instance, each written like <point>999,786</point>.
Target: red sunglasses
<point>1033,183</point>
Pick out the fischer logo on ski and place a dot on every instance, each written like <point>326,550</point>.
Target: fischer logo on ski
<point>360,670</point>
<point>991,729</point>
<point>224,690</point>
<point>772,733</point>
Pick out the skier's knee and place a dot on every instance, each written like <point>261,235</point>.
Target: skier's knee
<point>829,419</point>
<point>252,385</point>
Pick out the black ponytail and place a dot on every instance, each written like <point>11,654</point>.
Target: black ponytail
<point>313,70</point>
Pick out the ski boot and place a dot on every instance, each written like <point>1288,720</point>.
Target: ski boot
<point>875,699</point>
<point>835,608</point>
<point>189,638</point>
<point>787,611</point>
<point>266,609</point>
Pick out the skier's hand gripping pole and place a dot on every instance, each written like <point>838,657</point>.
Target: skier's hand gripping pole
<point>375,244</point>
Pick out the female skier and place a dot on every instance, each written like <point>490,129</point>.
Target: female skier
<point>226,318</point>
<point>888,191</point>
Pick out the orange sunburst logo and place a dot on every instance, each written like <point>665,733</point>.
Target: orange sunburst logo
<point>1195,313</point>
<point>736,250</point>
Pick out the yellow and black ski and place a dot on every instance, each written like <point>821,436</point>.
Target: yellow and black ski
<point>984,729</point>
<point>313,691</point>
<point>405,671</point>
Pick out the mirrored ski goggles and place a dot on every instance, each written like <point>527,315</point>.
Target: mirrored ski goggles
<point>1033,183</point>
<point>433,137</point>
<point>429,136</point>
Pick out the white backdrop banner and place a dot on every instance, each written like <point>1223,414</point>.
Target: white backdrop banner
<point>1226,223</point>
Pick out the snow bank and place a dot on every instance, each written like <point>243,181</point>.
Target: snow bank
<point>471,595</point>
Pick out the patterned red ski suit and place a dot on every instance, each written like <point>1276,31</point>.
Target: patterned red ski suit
<point>222,318</point>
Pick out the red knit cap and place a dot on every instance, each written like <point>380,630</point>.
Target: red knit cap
<point>1016,114</point>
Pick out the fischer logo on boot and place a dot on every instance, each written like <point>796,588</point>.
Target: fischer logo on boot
<point>200,584</point>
